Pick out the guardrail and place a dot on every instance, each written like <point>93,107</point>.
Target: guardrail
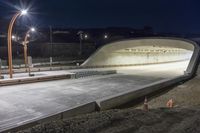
<point>83,74</point>
<point>46,64</point>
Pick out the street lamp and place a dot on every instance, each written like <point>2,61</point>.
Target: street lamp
<point>20,13</point>
<point>25,43</point>
<point>105,36</point>
<point>13,37</point>
<point>23,12</point>
<point>86,36</point>
<point>32,29</point>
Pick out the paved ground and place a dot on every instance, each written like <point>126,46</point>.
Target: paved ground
<point>21,103</point>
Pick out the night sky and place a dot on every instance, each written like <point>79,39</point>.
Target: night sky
<point>178,16</point>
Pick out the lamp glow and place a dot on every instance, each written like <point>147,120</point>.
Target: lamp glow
<point>33,29</point>
<point>13,37</point>
<point>24,12</point>
<point>105,36</point>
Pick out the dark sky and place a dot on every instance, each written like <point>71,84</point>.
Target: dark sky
<point>180,16</point>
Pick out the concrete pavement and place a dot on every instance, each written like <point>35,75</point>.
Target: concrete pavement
<point>22,103</point>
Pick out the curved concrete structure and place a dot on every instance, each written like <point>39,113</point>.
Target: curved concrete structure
<point>145,51</point>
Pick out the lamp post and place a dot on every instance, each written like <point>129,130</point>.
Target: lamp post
<point>80,33</point>
<point>23,12</point>
<point>25,43</point>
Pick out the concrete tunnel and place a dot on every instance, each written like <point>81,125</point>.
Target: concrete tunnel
<point>143,51</point>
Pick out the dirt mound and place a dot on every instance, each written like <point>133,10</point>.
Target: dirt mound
<point>177,120</point>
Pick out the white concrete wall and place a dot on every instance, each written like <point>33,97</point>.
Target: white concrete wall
<point>142,58</point>
<point>116,54</point>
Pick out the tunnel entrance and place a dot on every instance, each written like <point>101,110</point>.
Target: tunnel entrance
<point>142,55</point>
<point>145,51</point>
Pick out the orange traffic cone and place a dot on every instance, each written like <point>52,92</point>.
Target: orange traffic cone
<point>170,103</point>
<point>145,106</point>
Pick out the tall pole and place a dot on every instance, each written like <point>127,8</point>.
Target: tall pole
<point>51,40</point>
<point>10,43</point>
<point>25,56</point>
<point>25,49</point>
<point>80,33</point>
<point>81,38</point>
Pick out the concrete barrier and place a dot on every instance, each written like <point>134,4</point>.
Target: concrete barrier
<point>35,79</point>
<point>125,97</point>
<point>74,111</point>
<point>73,75</point>
<point>82,74</point>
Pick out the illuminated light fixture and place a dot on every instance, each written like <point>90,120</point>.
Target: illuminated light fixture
<point>86,36</point>
<point>24,12</point>
<point>13,37</point>
<point>33,29</point>
<point>105,36</point>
